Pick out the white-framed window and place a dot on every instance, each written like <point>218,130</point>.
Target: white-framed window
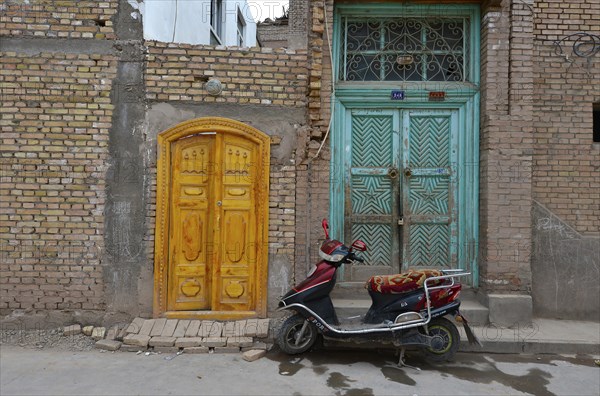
<point>241,28</point>
<point>216,22</point>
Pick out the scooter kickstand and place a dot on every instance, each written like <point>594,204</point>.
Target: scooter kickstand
<point>402,363</point>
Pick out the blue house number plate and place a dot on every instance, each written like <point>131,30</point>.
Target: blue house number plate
<point>397,95</point>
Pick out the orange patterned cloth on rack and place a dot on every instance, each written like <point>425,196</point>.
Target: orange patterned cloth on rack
<point>402,283</point>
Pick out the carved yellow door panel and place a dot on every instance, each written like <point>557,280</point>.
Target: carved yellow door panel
<point>190,230</point>
<point>213,225</point>
<point>234,290</point>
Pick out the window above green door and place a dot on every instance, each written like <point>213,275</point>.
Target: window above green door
<point>407,43</point>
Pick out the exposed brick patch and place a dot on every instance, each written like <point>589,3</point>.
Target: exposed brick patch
<point>178,72</point>
<point>59,19</point>
<point>56,113</point>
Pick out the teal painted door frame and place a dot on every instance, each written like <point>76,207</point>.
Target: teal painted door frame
<point>461,98</point>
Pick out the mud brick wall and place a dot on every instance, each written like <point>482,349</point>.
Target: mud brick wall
<point>55,117</point>
<point>58,18</point>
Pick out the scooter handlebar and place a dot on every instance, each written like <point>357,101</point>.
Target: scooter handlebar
<point>354,257</point>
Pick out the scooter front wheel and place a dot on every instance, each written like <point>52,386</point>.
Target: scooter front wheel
<point>445,342</point>
<point>296,335</point>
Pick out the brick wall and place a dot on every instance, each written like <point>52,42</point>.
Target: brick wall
<point>566,173</point>
<point>56,113</point>
<point>506,147</point>
<point>58,18</point>
<point>273,34</point>
<point>177,72</point>
<point>313,171</point>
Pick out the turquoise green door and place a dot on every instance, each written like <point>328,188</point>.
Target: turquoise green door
<point>402,186</point>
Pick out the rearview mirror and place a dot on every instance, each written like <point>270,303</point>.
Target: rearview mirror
<point>359,245</point>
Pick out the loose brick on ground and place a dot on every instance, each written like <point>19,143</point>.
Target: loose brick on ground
<point>262,329</point>
<point>165,349</point>
<point>135,326</point>
<point>87,330</point>
<point>253,354</point>
<point>112,333</point>
<point>162,341</point>
<point>239,341</point>
<point>251,327</point>
<point>136,339</point>
<point>159,325</point>
<point>72,330</point>
<point>98,333</point>
<point>146,327</point>
<point>181,328</point>
<point>132,348</point>
<point>169,328</point>
<point>214,342</point>
<point>193,328</point>
<point>108,345</point>
<point>186,342</point>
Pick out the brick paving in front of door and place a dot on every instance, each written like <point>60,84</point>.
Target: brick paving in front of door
<point>187,336</point>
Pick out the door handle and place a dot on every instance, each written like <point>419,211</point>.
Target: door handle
<point>219,203</point>
<point>393,173</point>
<point>408,172</point>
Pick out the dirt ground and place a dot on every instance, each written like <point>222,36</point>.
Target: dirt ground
<point>46,339</point>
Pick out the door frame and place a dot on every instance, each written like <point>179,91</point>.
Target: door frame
<point>163,197</point>
<point>463,97</point>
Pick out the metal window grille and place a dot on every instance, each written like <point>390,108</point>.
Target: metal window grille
<point>405,49</point>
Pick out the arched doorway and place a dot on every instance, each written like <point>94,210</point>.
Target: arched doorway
<point>211,220</point>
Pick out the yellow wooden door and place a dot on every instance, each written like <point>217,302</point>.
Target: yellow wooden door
<point>190,231</point>
<point>213,223</point>
<point>236,236</point>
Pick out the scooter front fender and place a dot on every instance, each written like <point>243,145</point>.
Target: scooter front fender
<point>296,307</point>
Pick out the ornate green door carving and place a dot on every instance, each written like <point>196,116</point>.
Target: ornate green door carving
<point>372,210</point>
<point>401,195</point>
<point>429,158</point>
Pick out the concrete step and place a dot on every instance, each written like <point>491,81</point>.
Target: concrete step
<point>350,303</point>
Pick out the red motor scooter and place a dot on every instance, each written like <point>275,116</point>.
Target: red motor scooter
<point>407,309</point>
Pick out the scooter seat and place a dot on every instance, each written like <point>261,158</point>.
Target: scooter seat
<point>402,283</point>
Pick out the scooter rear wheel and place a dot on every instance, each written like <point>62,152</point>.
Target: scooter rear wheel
<point>292,340</point>
<point>446,340</point>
